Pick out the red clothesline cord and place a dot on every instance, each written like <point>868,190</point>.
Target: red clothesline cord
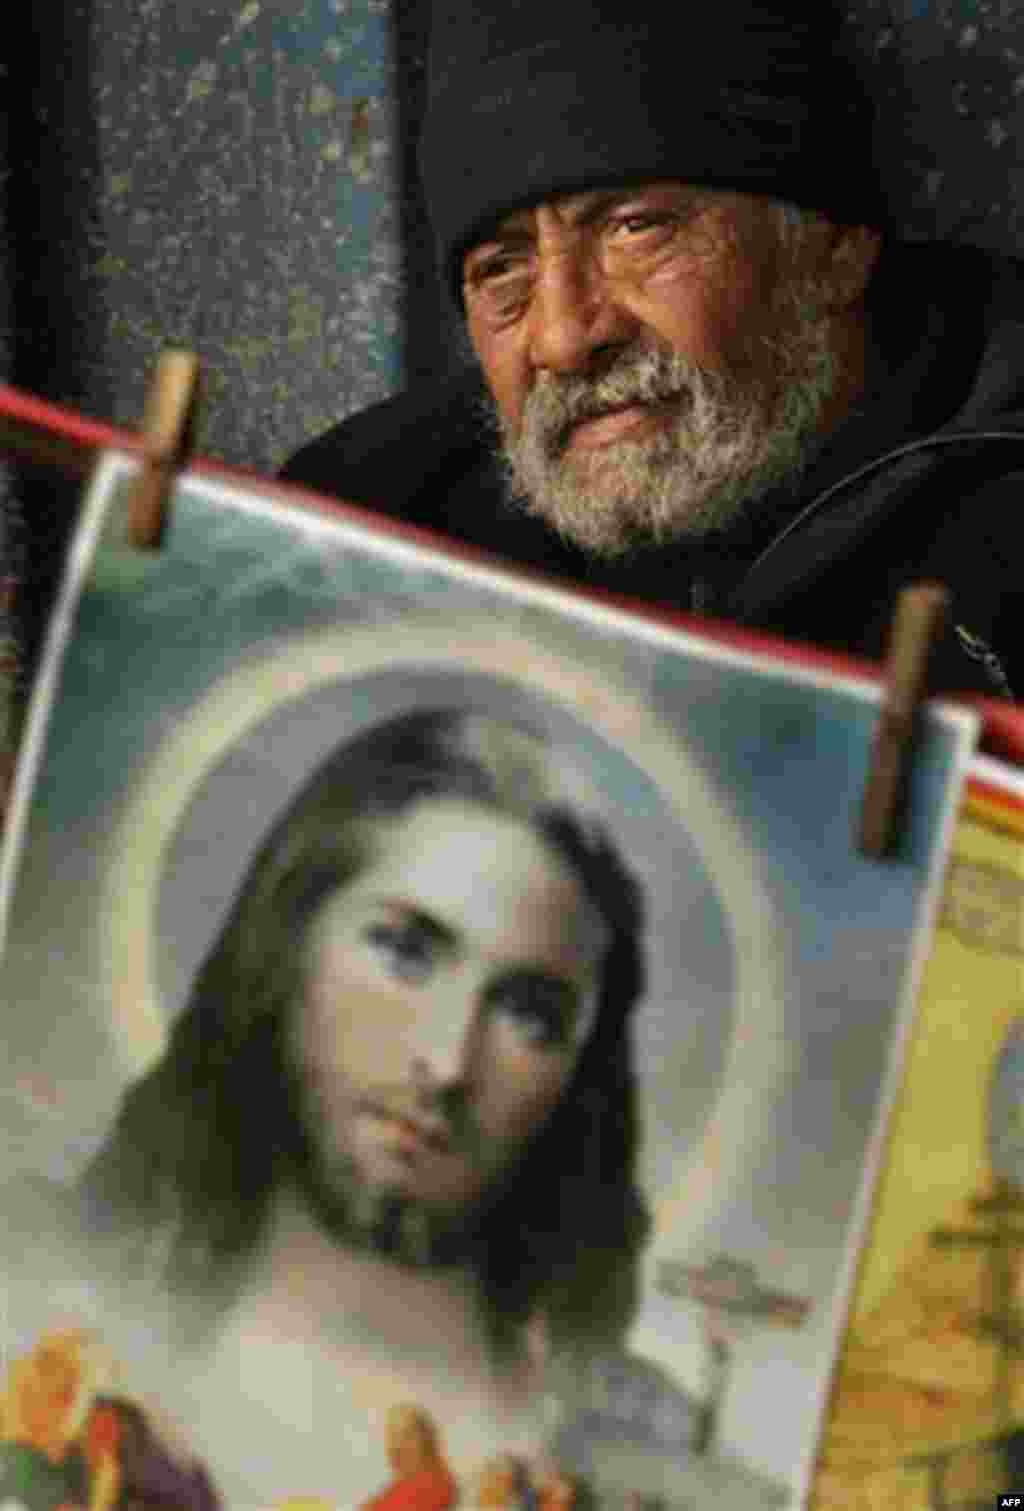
<point>43,432</point>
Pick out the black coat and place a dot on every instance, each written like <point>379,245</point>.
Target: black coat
<point>873,512</point>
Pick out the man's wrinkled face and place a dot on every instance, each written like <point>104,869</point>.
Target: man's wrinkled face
<point>654,356</point>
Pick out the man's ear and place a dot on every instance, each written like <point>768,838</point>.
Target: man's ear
<point>850,260</point>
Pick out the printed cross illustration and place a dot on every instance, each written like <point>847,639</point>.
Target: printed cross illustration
<point>1001,1236</point>
<point>727,1290</point>
<point>1003,1241</point>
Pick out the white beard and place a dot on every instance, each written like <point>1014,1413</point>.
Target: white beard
<point>729,441</point>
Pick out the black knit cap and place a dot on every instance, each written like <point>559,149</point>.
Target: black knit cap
<point>530,99</point>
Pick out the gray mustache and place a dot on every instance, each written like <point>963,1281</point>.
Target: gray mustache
<point>647,379</point>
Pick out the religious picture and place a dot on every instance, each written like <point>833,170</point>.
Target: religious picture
<point>927,1412</point>
<point>448,1027</point>
<point>72,1440</point>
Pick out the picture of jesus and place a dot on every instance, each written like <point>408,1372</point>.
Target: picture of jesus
<point>407,1059</point>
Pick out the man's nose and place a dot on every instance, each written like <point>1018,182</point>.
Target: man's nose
<point>574,312</point>
<point>442,1036</point>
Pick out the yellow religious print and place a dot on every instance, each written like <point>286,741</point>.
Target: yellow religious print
<point>927,1410</point>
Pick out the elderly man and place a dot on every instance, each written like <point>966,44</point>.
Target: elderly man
<point>702,375</point>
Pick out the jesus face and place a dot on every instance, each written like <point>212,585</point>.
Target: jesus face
<point>450,986</point>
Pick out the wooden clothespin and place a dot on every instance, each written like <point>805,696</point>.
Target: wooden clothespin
<point>167,435</point>
<point>920,612</point>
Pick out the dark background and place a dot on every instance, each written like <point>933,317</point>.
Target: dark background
<point>239,178</point>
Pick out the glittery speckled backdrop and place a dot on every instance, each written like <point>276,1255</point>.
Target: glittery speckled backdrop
<point>237,175</point>
<point>223,174</point>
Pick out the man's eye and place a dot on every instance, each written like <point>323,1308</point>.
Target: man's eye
<point>541,1009</point>
<point>502,283</point>
<point>407,950</point>
<point>643,226</point>
<point>496,269</point>
<point>499,267</point>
